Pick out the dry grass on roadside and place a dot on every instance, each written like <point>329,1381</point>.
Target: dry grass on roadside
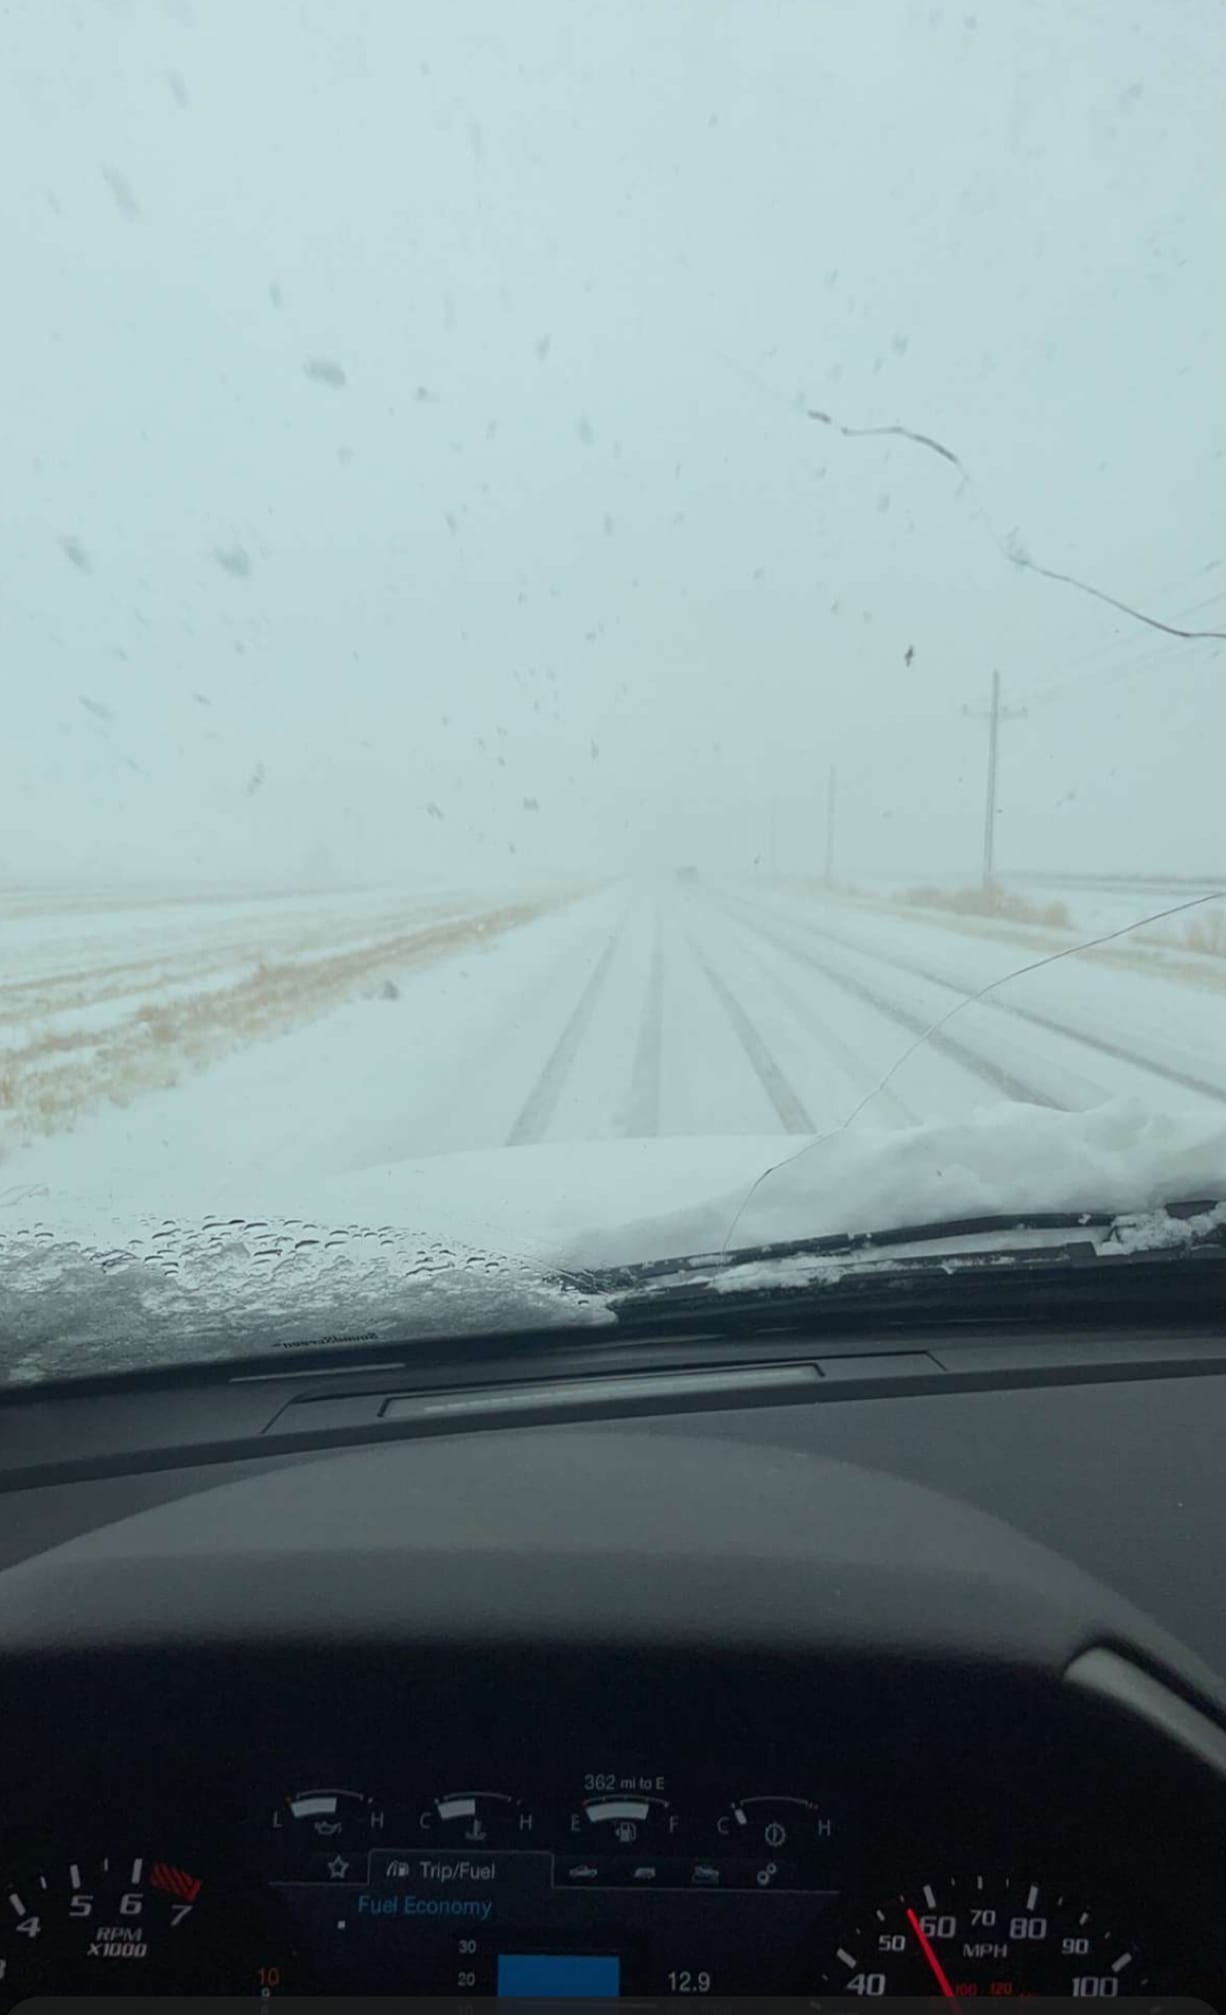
<point>1205,934</point>
<point>56,1077</point>
<point>992,901</point>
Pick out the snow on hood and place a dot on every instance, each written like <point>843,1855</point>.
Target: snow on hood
<point>1119,1156</point>
<point>534,1202</point>
<point>71,1306</point>
<point>94,1282</point>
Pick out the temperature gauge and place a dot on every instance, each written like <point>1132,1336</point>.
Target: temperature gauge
<point>477,1819</point>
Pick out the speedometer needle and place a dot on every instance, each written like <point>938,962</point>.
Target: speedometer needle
<point>925,1945</point>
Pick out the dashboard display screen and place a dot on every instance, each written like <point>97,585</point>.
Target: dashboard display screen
<point>618,1894</point>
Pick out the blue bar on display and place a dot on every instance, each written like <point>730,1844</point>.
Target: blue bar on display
<point>558,1976</point>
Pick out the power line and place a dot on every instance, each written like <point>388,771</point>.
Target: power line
<point>1151,653</point>
<point>1156,656</point>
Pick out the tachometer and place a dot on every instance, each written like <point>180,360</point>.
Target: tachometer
<point>986,1934</point>
<point>126,1924</point>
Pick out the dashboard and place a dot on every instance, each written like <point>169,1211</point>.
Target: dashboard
<point>590,1712</point>
<point>527,1829</point>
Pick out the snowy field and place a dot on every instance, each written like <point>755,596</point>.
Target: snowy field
<point>104,1002</point>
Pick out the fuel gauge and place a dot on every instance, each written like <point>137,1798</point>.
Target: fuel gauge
<point>624,1819</point>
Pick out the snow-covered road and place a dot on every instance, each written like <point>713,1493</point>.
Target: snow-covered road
<point>699,1009</point>
<point>679,1007</point>
<point>708,1009</point>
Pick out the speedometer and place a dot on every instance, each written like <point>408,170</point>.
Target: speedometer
<point>986,1934</point>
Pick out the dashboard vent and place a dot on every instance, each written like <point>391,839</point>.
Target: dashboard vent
<point>614,1396</point>
<point>650,1392</point>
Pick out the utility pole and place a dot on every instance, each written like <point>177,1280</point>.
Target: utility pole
<point>989,807</point>
<point>994,716</point>
<point>832,786</point>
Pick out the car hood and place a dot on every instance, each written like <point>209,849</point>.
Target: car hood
<point>583,1204</point>
<point>579,1204</point>
<point>483,1243</point>
<point>461,1245</point>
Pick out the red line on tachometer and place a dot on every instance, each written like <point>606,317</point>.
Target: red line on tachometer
<point>176,1880</point>
<point>925,1945</point>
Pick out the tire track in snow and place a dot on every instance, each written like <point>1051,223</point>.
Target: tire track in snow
<point>542,1101</point>
<point>1101,1045</point>
<point>793,1114</point>
<point>643,1103</point>
<point>849,1061</point>
<point>982,1067</point>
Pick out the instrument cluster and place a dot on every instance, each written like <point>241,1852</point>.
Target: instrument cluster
<point>613,1884</point>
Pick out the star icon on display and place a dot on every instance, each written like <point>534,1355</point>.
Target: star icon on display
<point>338,1867</point>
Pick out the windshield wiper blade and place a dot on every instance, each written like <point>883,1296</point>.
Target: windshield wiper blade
<point>830,1264</point>
<point>837,1244</point>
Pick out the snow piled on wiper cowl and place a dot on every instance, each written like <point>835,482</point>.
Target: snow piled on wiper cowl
<point>172,1293</point>
<point>1120,1158</point>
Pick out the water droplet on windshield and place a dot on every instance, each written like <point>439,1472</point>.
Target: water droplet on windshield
<point>325,371</point>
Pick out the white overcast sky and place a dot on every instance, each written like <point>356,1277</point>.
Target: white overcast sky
<point>563,533</point>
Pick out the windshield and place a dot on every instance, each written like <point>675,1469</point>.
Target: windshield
<point>598,598</point>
